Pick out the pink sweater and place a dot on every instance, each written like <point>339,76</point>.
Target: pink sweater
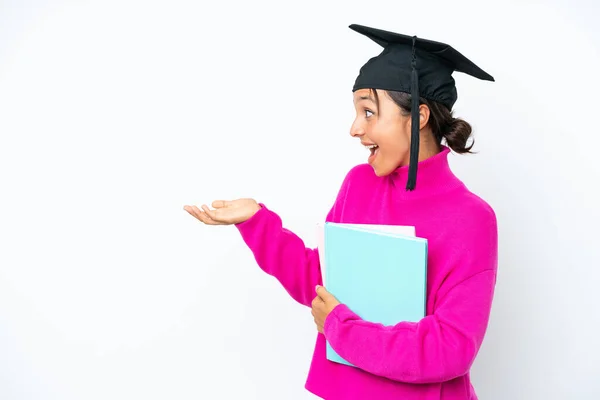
<point>427,360</point>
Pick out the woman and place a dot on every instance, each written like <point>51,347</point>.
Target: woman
<point>403,100</point>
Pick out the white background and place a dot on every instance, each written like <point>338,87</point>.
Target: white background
<point>114,114</point>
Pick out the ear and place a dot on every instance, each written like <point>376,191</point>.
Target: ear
<point>423,116</point>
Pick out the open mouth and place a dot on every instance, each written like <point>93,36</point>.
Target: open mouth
<point>372,148</point>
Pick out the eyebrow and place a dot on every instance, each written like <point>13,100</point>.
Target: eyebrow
<point>367,98</point>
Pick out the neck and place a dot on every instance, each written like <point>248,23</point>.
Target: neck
<point>433,174</point>
<point>428,149</point>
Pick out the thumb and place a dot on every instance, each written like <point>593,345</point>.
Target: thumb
<point>220,203</point>
<point>323,293</point>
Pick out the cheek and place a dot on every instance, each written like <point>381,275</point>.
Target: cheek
<point>394,150</point>
<point>394,143</point>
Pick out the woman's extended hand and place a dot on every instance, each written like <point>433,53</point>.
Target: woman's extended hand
<point>225,212</point>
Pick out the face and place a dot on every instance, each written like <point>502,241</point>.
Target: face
<point>382,129</point>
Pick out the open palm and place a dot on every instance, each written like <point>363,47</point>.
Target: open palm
<point>225,212</point>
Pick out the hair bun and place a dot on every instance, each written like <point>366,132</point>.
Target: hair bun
<point>457,136</point>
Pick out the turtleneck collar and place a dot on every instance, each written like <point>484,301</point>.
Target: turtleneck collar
<point>434,176</point>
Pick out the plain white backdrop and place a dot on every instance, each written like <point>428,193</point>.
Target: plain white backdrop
<point>114,114</point>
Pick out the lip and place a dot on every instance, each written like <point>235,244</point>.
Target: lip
<point>373,156</point>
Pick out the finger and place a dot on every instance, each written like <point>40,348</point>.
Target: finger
<point>317,301</point>
<point>323,293</point>
<point>204,218</point>
<point>220,204</point>
<point>211,213</point>
<point>193,211</point>
<point>314,301</point>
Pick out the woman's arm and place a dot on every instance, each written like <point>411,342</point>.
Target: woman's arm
<point>440,347</point>
<point>282,254</point>
<point>444,344</point>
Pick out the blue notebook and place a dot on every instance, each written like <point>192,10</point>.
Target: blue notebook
<point>381,276</point>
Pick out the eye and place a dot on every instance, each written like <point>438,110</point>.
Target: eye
<point>368,113</point>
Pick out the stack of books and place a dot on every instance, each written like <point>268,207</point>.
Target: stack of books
<point>378,271</point>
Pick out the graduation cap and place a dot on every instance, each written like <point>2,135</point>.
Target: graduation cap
<point>420,67</point>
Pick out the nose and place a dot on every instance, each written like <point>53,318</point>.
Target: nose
<point>356,130</point>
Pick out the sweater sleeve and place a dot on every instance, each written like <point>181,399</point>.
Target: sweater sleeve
<point>440,347</point>
<point>282,254</point>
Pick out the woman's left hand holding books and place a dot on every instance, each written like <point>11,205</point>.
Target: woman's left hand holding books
<point>322,305</point>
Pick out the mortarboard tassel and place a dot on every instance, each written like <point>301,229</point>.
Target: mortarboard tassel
<point>415,122</point>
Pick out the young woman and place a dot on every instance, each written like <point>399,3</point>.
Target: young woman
<point>403,100</point>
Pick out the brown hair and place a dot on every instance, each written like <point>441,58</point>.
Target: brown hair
<point>455,131</point>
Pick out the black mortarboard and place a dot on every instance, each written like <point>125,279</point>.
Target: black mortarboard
<point>420,67</point>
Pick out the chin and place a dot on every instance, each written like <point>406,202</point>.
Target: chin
<point>379,171</point>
